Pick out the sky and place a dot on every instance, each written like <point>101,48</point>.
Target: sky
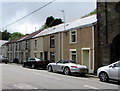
<point>12,10</point>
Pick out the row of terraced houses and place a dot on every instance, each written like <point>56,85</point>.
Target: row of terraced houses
<point>75,40</point>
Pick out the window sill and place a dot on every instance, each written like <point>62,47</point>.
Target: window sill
<point>73,43</point>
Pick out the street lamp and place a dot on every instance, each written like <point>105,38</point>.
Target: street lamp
<point>63,17</point>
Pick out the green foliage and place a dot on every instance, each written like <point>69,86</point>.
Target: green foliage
<point>91,13</point>
<point>50,21</point>
<point>15,35</point>
<point>5,35</point>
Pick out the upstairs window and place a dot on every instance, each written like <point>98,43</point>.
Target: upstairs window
<point>35,43</point>
<point>52,42</point>
<point>26,45</point>
<point>73,36</point>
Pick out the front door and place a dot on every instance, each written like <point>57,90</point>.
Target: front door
<point>45,55</point>
<point>86,58</point>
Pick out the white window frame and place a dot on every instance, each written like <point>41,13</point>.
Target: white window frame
<point>70,37</point>
<point>52,37</point>
<point>70,56</point>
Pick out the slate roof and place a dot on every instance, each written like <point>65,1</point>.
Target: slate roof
<point>79,23</point>
<point>26,37</point>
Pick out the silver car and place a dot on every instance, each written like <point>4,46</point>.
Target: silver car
<point>3,59</point>
<point>111,71</point>
<point>67,67</point>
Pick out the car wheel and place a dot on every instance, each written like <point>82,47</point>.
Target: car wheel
<point>67,71</point>
<point>103,77</point>
<point>33,66</point>
<point>5,62</point>
<point>50,68</point>
<point>23,64</point>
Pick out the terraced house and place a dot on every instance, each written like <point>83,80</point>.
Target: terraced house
<point>19,48</point>
<point>74,40</point>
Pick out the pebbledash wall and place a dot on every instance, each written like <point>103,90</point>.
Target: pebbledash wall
<point>108,15</point>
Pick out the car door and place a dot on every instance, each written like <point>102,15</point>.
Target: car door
<point>28,62</point>
<point>32,61</point>
<point>57,66</point>
<point>114,71</point>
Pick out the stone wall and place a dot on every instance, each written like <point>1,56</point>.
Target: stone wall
<point>108,29</point>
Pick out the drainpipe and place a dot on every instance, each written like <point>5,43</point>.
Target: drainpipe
<point>93,43</point>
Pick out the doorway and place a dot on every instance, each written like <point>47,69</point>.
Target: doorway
<point>86,58</point>
<point>45,55</point>
<point>115,49</point>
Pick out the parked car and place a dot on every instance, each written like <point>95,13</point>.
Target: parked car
<point>3,59</point>
<point>111,71</point>
<point>67,67</point>
<point>35,62</point>
<point>15,60</point>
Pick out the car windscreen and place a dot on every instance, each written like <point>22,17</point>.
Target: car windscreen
<point>69,61</point>
<point>39,59</point>
<point>72,61</point>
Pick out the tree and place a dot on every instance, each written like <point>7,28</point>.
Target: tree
<point>15,35</point>
<point>91,13</point>
<point>5,35</point>
<point>50,21</point>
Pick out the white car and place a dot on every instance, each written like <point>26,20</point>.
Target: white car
<point>111,71</point>
<point>67,67</point>
<point>3,59</point>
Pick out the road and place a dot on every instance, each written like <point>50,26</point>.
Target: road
<point>16,77</point>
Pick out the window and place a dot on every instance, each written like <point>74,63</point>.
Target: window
<point>73,54</point>
<point>41,55</point>
<point>60,61</point>
<point>11,56</point>
<point>11,47</point>
<point>52,56</point>
<point>73,38</point>
<point>16,46</point>
<point>19,45</point>
<point>26,46</point>
<point>35,43</point>
<point>26,56</point>
<point>35,54</point>
<point>52,42</point>
<point>8,47</point>
<point>117,64</point>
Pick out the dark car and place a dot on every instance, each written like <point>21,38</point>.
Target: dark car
<point>35,63</point>
<point>4,59</point>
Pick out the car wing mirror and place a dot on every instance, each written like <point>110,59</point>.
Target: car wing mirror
<point>111,66</point>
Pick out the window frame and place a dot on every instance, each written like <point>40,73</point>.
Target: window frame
<point>71,37</point>
<point>73,50</point>
<point>52,41</point>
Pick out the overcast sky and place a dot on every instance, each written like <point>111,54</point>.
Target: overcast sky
<point>12,11</point>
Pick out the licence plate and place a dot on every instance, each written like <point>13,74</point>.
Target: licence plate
<point>83,70</point>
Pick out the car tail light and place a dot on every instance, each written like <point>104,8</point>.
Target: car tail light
<point>74,66</point>
<point>40,61</point>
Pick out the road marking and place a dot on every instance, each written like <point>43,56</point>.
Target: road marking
<point>90,87</point>
<point>108,84</point>
<point>47,76</point>
<point>24,86</point>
